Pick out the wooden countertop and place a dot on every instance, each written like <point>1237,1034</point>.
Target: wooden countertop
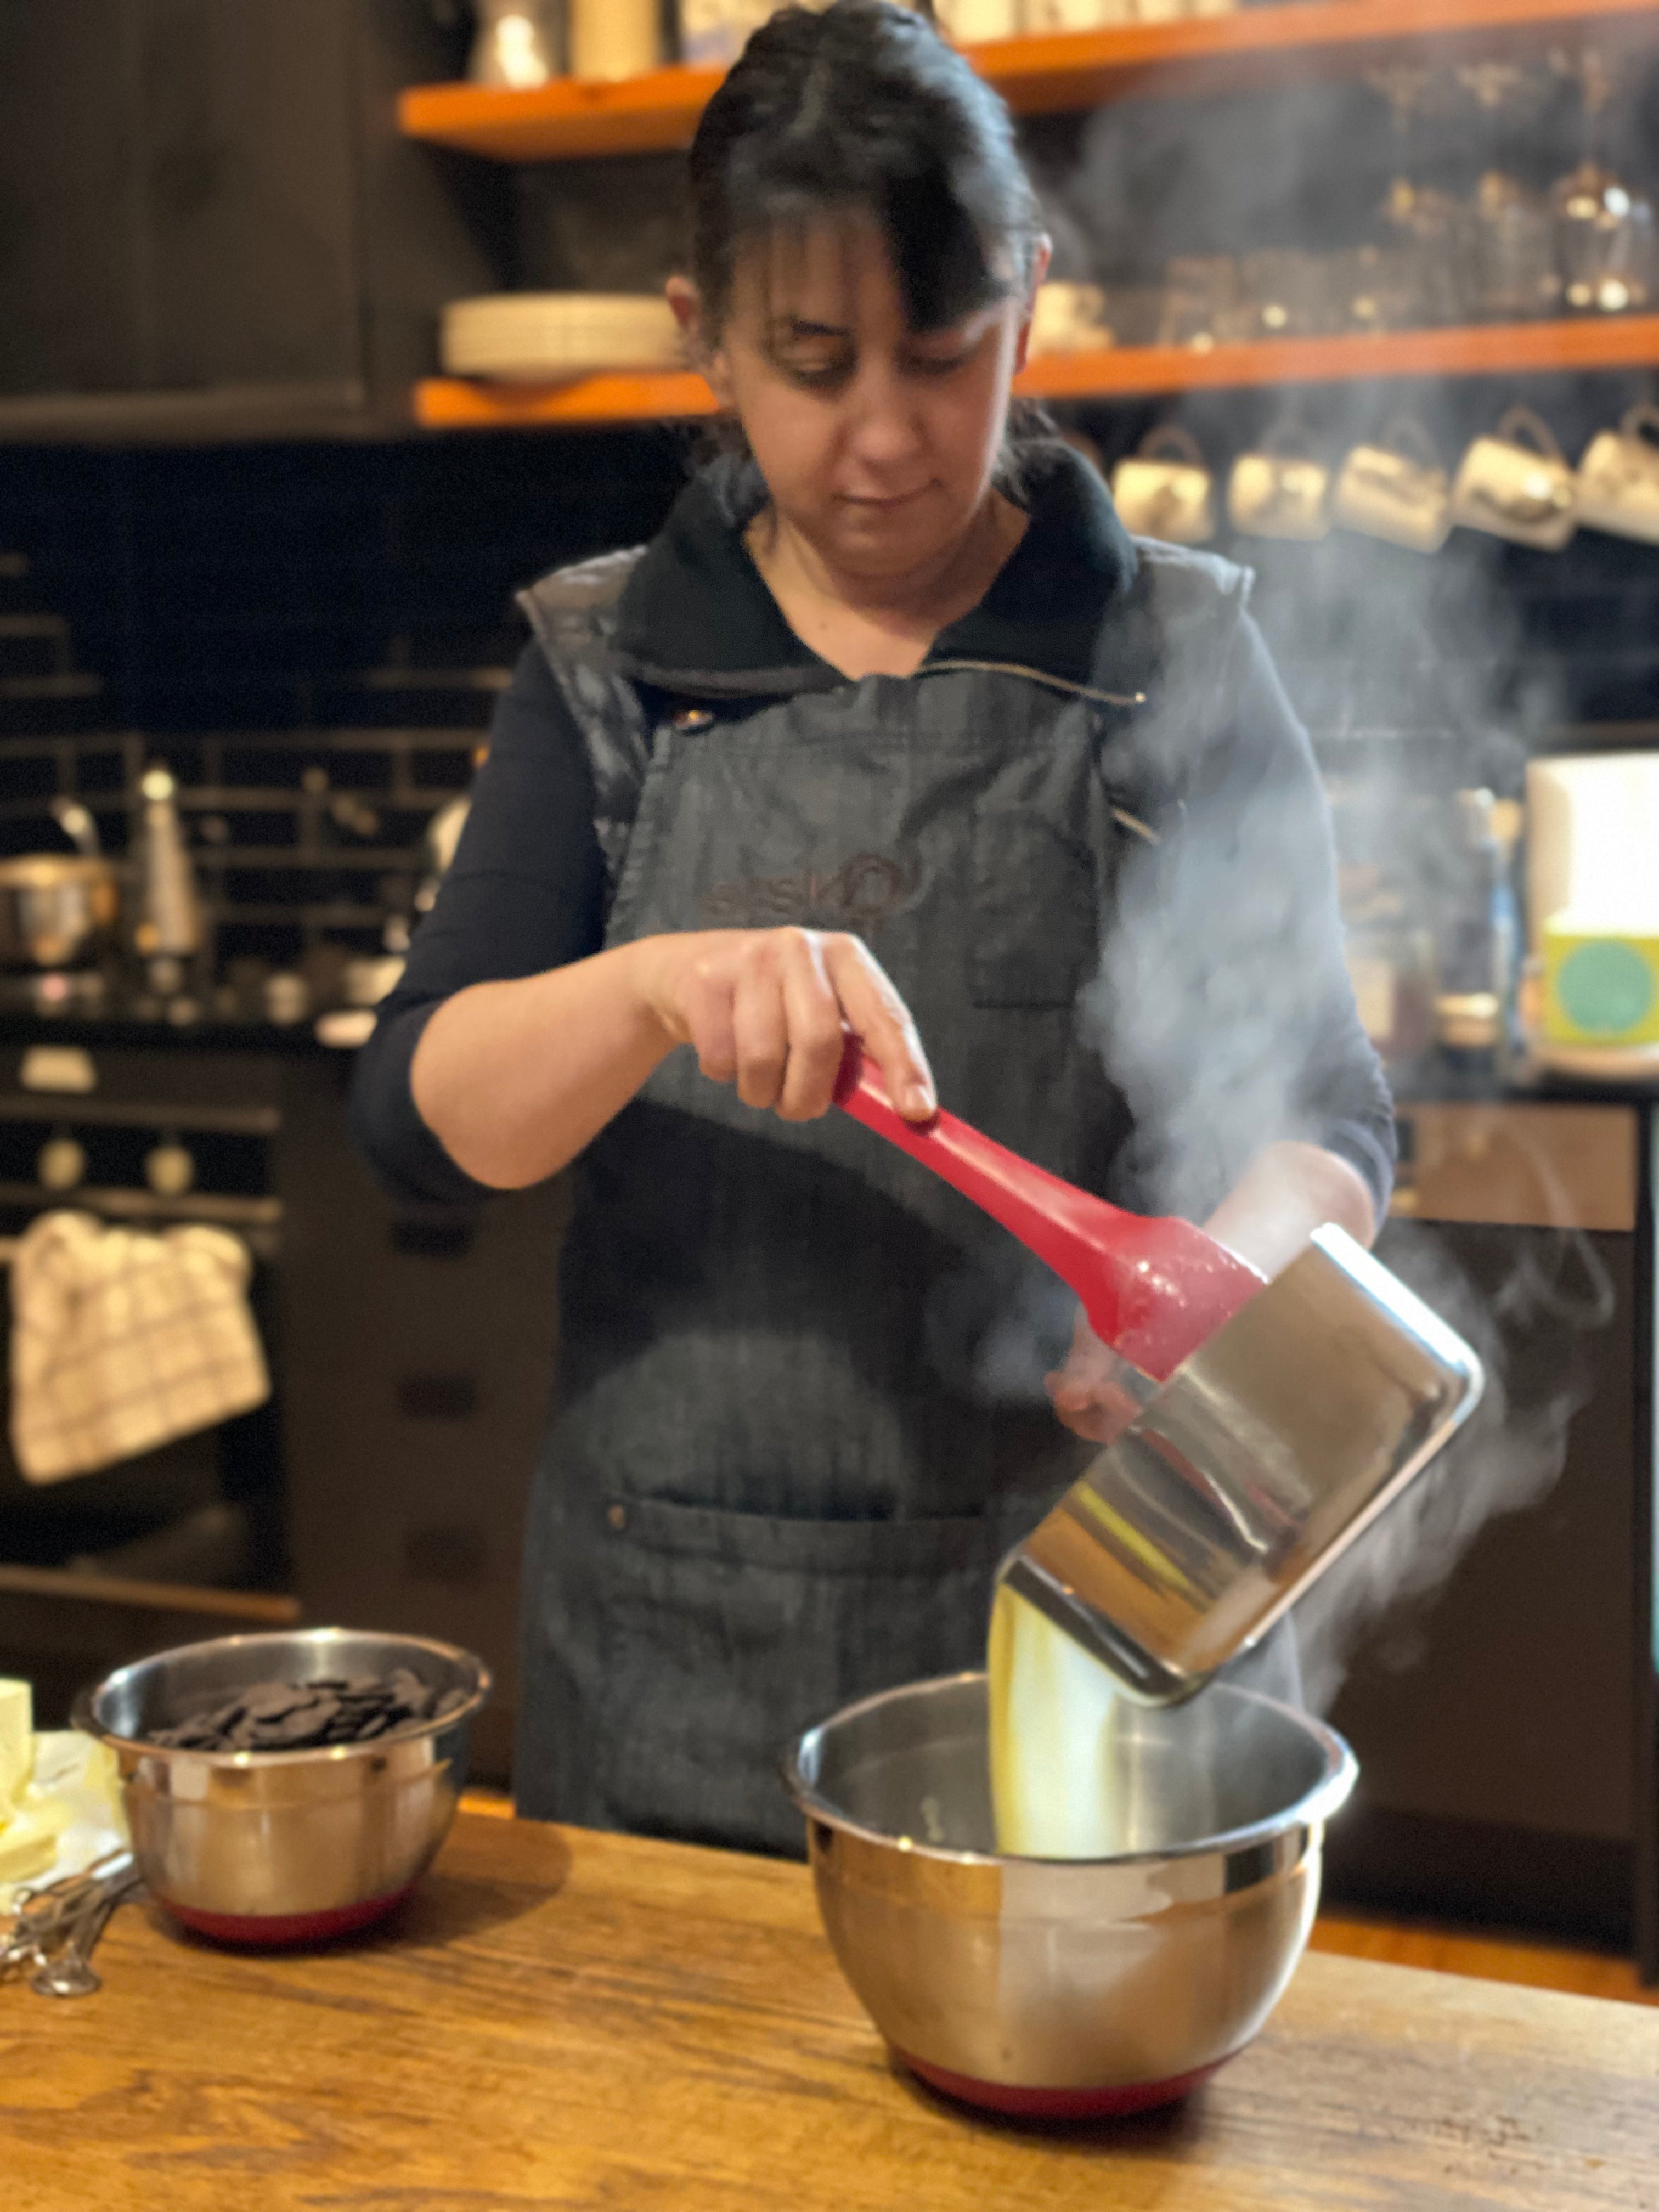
<point>581,2023</point>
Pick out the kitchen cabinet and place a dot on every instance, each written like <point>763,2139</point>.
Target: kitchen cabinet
<point>1506,1718</point>
<point>210,226</point>
<point>417,1385</point>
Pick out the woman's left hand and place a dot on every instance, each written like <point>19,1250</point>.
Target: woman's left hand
<point>1287,1192</point>
<point>1093,1393</point>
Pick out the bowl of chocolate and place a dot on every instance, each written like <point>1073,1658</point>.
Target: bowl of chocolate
<point>288,1788</point>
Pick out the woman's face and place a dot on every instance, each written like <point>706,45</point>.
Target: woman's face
<point>876,442</point>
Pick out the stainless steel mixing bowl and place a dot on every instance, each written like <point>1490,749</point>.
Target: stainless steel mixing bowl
<point>286,1846</point>
<point>1077,1987</point>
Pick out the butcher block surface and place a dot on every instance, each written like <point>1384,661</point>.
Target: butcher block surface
<point>583,2023</point>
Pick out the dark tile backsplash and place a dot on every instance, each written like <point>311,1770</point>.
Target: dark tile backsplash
<point>313,636</point>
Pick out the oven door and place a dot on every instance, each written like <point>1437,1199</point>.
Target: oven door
<point>186,1540</point>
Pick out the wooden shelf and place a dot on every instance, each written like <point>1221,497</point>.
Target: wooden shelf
<point>572,118</point>
<point>58,1584</point>
<point>1117,372</point>
<point>455,402</point>
<point>1486,350</point>
<point>569,119</point>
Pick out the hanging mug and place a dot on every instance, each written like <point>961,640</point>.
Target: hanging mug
<point>1279,490</point>
<point>1619,479</point>
<point>1164,490</point>
<point>1516,490</point>
<point>1396,489</point>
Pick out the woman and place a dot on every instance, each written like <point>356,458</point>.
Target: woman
<point>892,729</point>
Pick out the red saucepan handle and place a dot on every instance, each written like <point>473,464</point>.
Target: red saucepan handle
<point>1153,1290</point>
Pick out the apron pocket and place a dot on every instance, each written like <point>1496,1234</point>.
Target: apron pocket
<point>1035,925</point>
<point>727,1634</point>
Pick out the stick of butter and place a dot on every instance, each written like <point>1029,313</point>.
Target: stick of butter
<point>30,1822</point>
<point>17,1745</point>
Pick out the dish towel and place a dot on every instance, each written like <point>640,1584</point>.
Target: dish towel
<point>122,1341</point>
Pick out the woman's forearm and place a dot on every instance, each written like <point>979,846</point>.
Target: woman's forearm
<point>514,1079</point>
<point>1285,1194</point>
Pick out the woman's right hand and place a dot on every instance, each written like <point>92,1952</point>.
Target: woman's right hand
<point>770,1009</point>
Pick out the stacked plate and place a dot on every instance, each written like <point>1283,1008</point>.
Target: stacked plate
<point>548,337</point>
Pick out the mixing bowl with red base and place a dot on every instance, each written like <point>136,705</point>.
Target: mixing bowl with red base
<point>285,1847</point>
<point>1069,1988</point>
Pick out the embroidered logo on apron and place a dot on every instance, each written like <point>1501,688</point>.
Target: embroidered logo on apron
<point>862,894</point>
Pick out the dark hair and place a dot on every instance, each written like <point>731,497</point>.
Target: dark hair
<point>864,108</point>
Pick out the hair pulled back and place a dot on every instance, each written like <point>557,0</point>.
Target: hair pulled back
<point>864,108</point>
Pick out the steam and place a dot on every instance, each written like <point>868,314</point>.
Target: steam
<point>1220,1006</point>
<point>1220,998</point>
<point>1505,1460</point>
<point>1220,1012</point>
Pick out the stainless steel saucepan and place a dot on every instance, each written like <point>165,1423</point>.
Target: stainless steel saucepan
<point>60,909</point>
<point>1267,1452</point>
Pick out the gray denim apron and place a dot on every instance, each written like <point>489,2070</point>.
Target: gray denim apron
<point>802,1406</point>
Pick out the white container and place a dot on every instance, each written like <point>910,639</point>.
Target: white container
<point>615,38</point>
<point>1592,829</point>
<point>545,337</point>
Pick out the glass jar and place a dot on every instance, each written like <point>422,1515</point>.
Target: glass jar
<point>1509,254</point>
<point>1393,968</point>
<point>1427,225</point>
<point>1604,242</point>
<point>1201,294</point>
<point>1479,937</point>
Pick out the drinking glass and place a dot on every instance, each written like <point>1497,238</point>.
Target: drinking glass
<point>1508,252</point>
<point>1376,288</point>
<point>1604,241</point>
<point>1288,292</point>
<point>1421,224</point>
<point>517,43</point>
<point>1200,297</point>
